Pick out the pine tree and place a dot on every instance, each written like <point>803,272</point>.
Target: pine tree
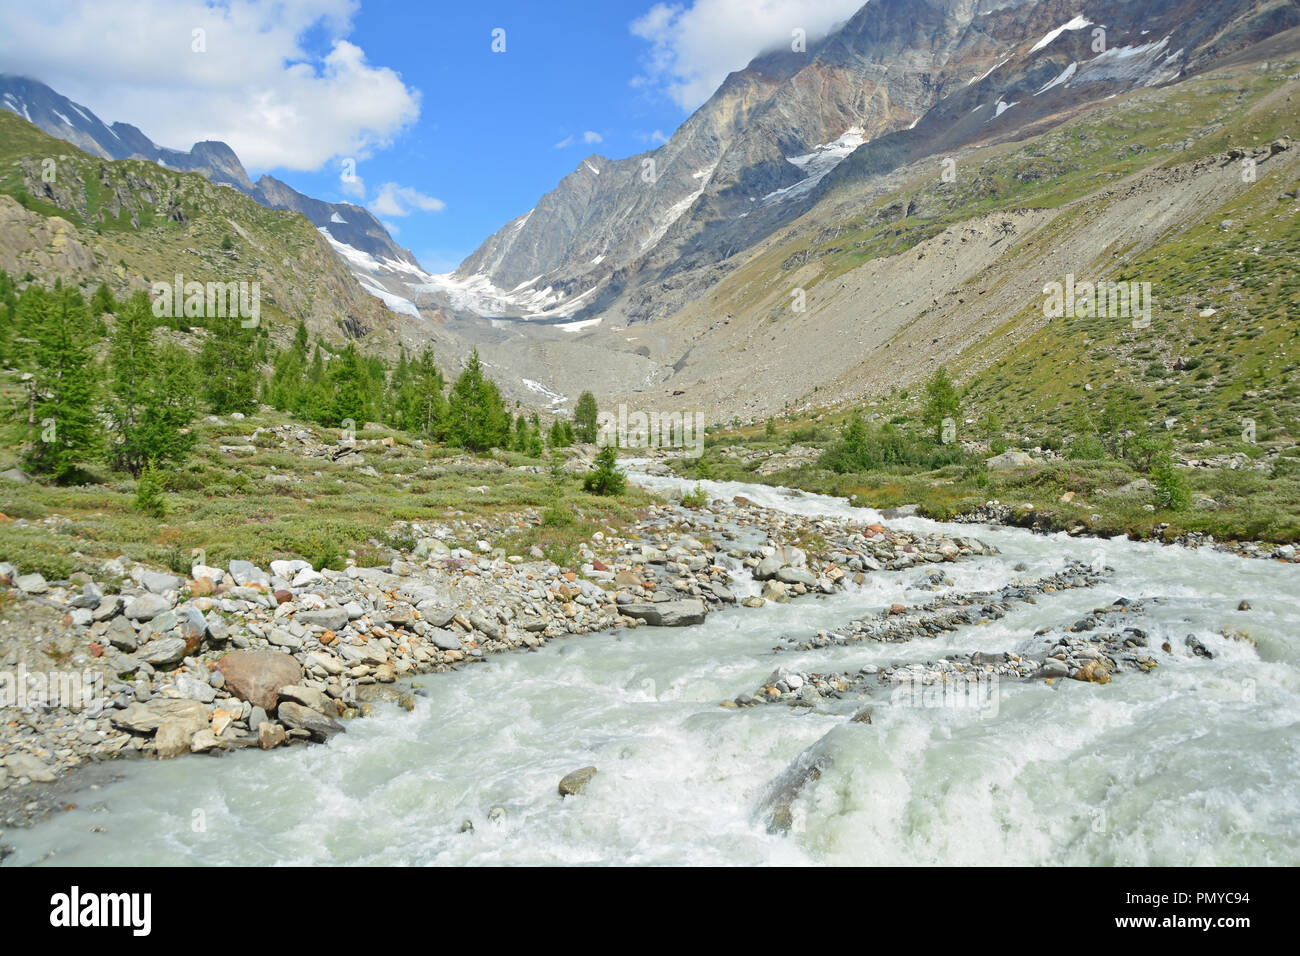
<point>8,315</point>
<point>63,430</point>
<point>347,383</point>
<point>585,415</point>
<point>477,417</point>
<point>942,401</point>
<point>228,365</point>
<point>151,393</point>
<point>102,301</point>
<point>605,478</point>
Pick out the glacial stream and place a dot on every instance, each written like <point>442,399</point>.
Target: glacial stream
<point>1194,763</point>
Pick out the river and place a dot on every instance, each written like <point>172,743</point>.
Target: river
<point>1194,763</point>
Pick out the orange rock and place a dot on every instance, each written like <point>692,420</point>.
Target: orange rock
<point>896,609</point>
<point>569,576</point>
<point>328,638</point>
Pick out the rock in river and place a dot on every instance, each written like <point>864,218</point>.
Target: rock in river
<point>668,613</point>
<point>296,716</point>
<point>575,782</point>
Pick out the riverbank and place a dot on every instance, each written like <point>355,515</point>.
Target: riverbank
<point>1019,774</point>
<point>245,657</point>
<point>1242,511</point>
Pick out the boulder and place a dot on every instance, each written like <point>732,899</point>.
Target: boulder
<point>1009,459</point>
<point>774,591</point>
<point>797,576</point>
<point>668,613</point>
<point>575,782</point>
<point>165,651</point>
<point>269,735</point>
<point>173,739</point>
<point>246,572</point>
<point>29,766</point>
<point>146,718</point>
<point>31,583</point>
<point>121,634</point>
<point>317,700</point>
<point>330,618</point>
<point>146,607</point>
<point>191,688</point>
<point>257,675</point>
<point>318,726</point>
<point>157,582</point>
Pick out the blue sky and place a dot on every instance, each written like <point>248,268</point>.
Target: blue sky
<point>449,140</point>
<point>486,141</point>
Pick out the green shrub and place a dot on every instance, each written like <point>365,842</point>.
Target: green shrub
<point>149,493</point>
<point>1172,490</point>
<point>605,479</point>
<point>695,499</point>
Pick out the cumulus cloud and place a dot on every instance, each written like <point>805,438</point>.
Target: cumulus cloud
<point>693,47</point>
<point>395,200</point>
<point>280,83</point>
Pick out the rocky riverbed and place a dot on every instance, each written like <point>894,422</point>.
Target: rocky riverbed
<point>141,662</point>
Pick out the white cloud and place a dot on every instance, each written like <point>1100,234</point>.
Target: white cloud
<point>589,137</point>
<point>693,48</point>
<point>257,85</point>
<point>395,200</point>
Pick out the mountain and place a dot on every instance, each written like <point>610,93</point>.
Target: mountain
<point>343,223</point>
<point>913,180</point>
<point>900,80</point>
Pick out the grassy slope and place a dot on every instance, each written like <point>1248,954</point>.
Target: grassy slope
<point>1207,372</point>
<point>145,223</point>
<point>220,503</point>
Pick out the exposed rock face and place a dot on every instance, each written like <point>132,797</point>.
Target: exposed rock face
<point>257,676</point>
<point>903,76</point>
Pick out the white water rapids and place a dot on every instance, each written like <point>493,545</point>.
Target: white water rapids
<point>1193,763</point>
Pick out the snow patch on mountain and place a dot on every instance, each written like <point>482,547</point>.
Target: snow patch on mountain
<point>817,164</point>
<point>678,209</point>
<point>1142,65</point>
<point>1078,23</point>
<point>554,399</point>
<point>1063,78</point>
<point>394,301</point>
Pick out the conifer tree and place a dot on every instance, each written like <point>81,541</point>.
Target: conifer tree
<point>477,417</point>
<point>228,365</point>
<point>585,415</point>
<point>63,429</point>
<point>151,393</point>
